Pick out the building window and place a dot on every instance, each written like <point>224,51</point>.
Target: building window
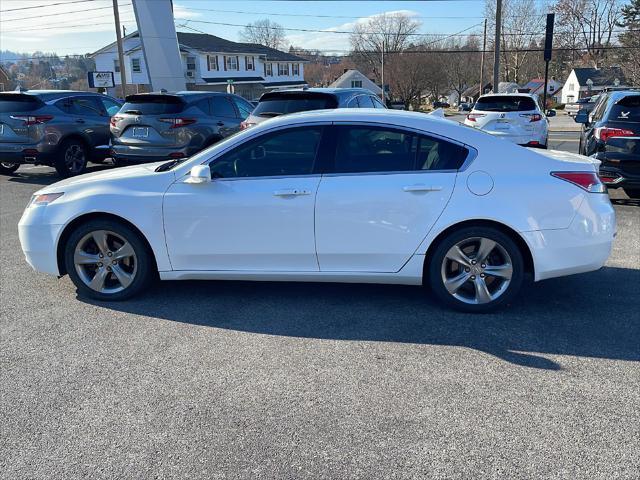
<point>231,63</point>
<point>356,83</point>
<point>295,69</point>
<point>191,63</point>
<point>283,69</point>
<point>212,62</point>
<point>116,65</point>
<point>572,87</point>
<point>135,65</point>
<point>268,69</point>
<point>249,63</point>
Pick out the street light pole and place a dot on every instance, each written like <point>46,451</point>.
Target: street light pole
<point>496,52</point>
<point>123,76</point>
<point>484,47</point>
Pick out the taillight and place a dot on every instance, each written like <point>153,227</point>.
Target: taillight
<point>533,117</point>
<point>244,125</point>
<point>114,120</point>
<point>473,117</point>
<point>603,133</point>
<point>33,119</point>
<point>178,122</point>
<point>588,181</point>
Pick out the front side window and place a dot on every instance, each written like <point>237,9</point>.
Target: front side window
<point>244,107</point>
<point>83,106</point>
<point>283,153</point>
<point>362,149</point>
<point>135,65</point>
<point>221,107</point>
<point>110,106</point>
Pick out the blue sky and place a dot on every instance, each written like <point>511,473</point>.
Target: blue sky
<point>85,27</point>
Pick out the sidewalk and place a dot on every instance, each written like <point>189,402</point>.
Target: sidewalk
<point>563,123</point>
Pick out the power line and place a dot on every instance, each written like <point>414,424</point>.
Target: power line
<point>62,26</point>
<point>59,13</point>
<point>43,6</point>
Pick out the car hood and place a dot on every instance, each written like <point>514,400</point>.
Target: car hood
<point>132,172</point>
<point>567,157</point>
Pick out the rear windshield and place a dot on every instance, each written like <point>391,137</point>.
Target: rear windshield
<point>626,109</point>
<point>272,106</point>
<point>13,103</point>
<point>505,103</point>
<point>152,105</point>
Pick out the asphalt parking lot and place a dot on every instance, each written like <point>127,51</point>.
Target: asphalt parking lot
<point>270,380</point>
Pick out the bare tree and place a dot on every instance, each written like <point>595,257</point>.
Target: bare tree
<point>630,38</point>
<point>594,21</point>
<point>462,65</point>
<point>264,32</point>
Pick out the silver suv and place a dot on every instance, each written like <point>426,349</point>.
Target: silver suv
<point>159,126</point>
<point>62,129</point>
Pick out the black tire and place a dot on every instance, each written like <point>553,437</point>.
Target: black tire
<point>632,192</point>
<point>71,158</point>
<point>142,269</point>
<point>8,168</point>
<point>437,269</point>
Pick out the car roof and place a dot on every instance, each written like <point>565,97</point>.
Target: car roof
<point>50,94</point>
<point>185,95</point>
<point>335,91</point>
<point>515,94</point>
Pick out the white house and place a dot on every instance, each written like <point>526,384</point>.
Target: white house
<point>210,63</point>
<point>356,79</point>
<point>585,82</point>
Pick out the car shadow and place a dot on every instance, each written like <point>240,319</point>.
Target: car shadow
<point>48,175</point>
<point>589,315</point>
<point>630,202</point>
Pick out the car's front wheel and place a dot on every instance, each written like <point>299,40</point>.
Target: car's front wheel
<point>107,260</point>
<point>476,269</point>
<point>8,168</point>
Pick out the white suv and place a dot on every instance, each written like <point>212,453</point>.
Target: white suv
<point>517,117</point>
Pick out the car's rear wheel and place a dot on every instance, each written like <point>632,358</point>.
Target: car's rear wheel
<point>71,159</point>
<point>476,269</point>
<point>632,192</point>
<point>8,168</point>
<point>107,260</point>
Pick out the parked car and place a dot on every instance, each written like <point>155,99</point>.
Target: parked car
<point>611,133</point>
<point>158,126</point>
<point>517,117</point>
<point>60,128</point>
<point>439,104</point>
<point>465,107</point>
<point>281,102</point>
<point>585,104</point>
<point>345,195</point>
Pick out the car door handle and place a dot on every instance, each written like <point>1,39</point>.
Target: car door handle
<point>79,120</point>
<point>291,192</point>
<point>421,188</point>
<point>220,124</point>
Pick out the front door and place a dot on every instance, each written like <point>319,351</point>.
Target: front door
<point>258,212</point>
<point>379,199</point>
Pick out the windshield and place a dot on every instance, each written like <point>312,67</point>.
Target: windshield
<point>272,107</point>
<point>505,103</point>
<point>626,109</point>
<point>152,105</point>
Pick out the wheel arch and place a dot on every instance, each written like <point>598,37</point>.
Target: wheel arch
<point>77,136</point>
<point>527,257</point>
<point>69,228</point>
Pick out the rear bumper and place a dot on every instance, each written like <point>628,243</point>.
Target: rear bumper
<point>616,178</point>
<point>146,154</point>
<point>26,153</point>
<point>583,247</point>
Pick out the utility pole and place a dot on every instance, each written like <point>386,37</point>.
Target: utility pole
<point>123,76</point>
<point>384,100</point>
<point>548,47</point>
<point>496,52</point>
<point>484,47</point>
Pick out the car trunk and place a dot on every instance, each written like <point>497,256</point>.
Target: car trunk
<point>19,122</point>
<point>148,120</point>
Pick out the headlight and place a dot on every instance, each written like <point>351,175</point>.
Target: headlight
<point>44,198</point>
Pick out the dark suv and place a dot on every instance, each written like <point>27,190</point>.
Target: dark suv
<point>63,129</point>
<point>158,126</point>
<point>611,134</point>
<point>281,102</point>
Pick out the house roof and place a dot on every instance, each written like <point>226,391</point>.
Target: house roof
<point>601,77</point>
<point>210,43</point>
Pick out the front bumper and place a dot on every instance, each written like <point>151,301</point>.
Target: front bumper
<point>583,247</point>
<point>39,240</point>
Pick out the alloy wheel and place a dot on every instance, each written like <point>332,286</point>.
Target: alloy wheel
<point>105,261</point>
<point>476,270</point>
<point>74,158</point>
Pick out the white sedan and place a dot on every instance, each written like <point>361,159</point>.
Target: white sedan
<point>335,196</point>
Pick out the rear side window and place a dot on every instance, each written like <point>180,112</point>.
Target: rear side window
<point>222,107</point>
<point>112,107</point>
<point>437,154</point>
<point>152,105</point>
<point>273,106</point>
<point>505,103</point>
<point>16,103</point>
<point>626,109</point>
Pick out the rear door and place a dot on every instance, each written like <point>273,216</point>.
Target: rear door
<point>381,195</point>
<point>149,120</point>
<point>15,111</point>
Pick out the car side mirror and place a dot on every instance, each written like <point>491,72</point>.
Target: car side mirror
<point>581,117</point>
<point>199,174</point>
<point>551,113</point>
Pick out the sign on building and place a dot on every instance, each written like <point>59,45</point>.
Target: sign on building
<point>100,79</point>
